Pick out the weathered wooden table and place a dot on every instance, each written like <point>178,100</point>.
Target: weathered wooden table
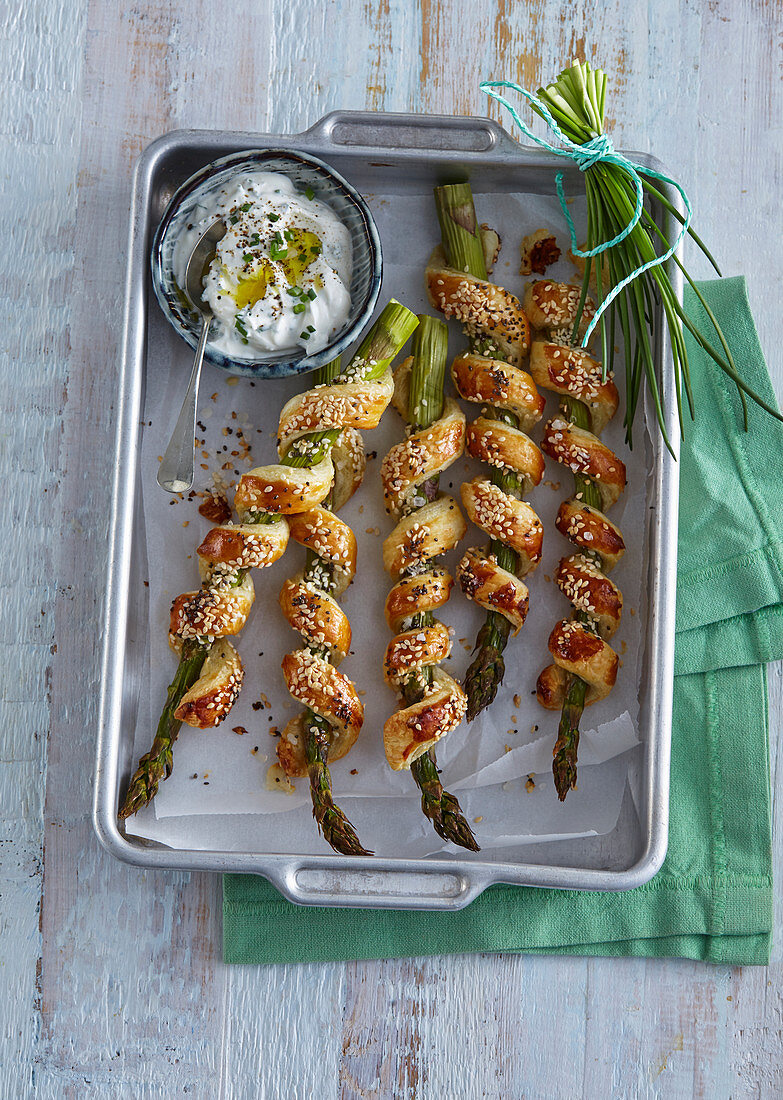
<point>112,981</point>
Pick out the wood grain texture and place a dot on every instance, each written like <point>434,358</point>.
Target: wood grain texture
<point>112,980</point>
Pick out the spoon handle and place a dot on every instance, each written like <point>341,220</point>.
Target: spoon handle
<point>177,469</point>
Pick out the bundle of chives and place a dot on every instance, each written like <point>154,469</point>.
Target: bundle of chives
<point>617,190</point>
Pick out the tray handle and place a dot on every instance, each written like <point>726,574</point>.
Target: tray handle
<point>374,130</point>
<point>310,884</point>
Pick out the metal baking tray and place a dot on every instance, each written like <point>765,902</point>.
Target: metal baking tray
<point>413,151</point>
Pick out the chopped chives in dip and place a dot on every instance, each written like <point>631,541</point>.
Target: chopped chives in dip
<point>281,275</point>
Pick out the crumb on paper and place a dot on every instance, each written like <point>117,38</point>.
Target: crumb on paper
<point>232,381</point>
<point>534,729</point>
<point>215,507</point>
<point>632,610</point>
<point>553,485</point>
<point>623,646</point>
<point>538,252</point>
<point>514,719</point>
<point>530,784</point>
<point>490,246</point>
<point>579,263</point>
<point>354,771</point>
<point>517,701</point>
<point>277,780</point>
<point>239,730</point>
<point>477,819</point>
<point>273,731</point>
<point>547,577</point>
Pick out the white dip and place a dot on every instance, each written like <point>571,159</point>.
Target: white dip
<point>280,279</point>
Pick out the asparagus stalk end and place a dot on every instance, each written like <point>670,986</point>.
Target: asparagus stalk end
<point>565,750</point>
<point>158,762</point>
<point>442,808</point>
<point>485,674</point>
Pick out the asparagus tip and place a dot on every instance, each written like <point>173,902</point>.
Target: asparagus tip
<point>339,833</point>
<point>564,766</point>
<point>143,787</point>
<point>567,744</point>
<point>332,823</point>
<point>158,763</point>
<point>455,827</point>
<point>442,808</point>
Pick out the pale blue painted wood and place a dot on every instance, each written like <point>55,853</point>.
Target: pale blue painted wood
<point>39,151</point>
<point>121,991</point>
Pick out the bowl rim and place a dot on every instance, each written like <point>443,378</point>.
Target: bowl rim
<point>284,367</point>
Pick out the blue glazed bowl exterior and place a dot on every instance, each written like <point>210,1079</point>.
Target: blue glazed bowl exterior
<point>304,171</point>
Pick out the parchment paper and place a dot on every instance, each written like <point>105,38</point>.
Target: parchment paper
<point>222,773</point>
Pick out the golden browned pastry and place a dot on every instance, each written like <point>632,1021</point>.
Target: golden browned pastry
<point>579,646</point>
<point>426,528</point>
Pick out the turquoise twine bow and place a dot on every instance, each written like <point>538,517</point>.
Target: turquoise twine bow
<point>598,150</point>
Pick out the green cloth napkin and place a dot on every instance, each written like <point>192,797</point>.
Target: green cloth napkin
<point>713,897</point>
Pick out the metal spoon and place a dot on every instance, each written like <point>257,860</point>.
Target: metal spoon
<point>177,469</point>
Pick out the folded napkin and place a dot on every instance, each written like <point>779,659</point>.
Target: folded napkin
<point>713,897</point>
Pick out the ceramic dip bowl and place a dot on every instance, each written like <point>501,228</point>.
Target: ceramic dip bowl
<point>311,178</point>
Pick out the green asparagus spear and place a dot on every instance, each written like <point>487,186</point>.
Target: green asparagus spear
<point>158,762</point>
<point>567,744</point>
<point>564,755</point>
<point>376,351</point>
<point>462,247</point>
<point>335,827</point>
<point>337,830</point>
<point>425,405</point>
